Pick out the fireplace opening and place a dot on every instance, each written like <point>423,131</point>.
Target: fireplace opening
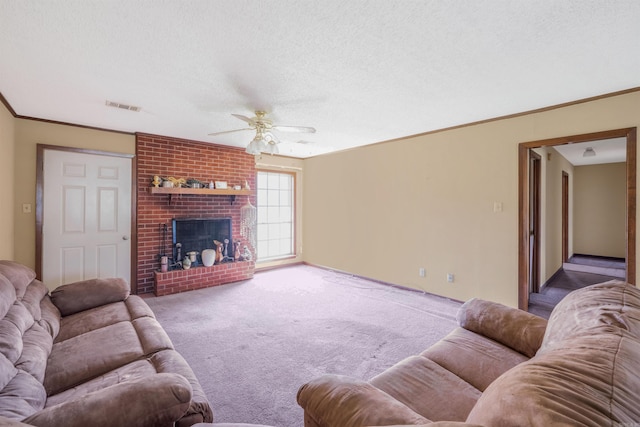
<point>198,234</point>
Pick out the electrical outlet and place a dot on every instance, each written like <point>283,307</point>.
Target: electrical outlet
<point>450,277</point>
<point>422,272</point>
<point>26,208</point>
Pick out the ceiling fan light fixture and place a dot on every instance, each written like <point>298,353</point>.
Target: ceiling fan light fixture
<point>589,152</point>
<point>272,149</point>
<point>254,147</point>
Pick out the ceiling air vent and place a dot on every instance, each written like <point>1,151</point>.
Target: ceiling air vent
<point>122,106</point>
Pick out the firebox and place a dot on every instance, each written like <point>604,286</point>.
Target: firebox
<point>198,234</point>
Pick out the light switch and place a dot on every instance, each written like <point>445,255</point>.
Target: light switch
<point>497,207</point>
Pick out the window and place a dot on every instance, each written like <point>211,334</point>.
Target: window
<point>275,215</point>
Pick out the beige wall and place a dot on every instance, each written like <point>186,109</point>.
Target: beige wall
<point>7,208</point>
<point>385,210</point>
<point>600,210</point>
<point>29,133</point>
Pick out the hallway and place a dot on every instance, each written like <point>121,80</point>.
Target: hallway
<point>581,271</point>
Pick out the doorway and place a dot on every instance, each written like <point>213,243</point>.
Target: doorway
<point>535,180</point>
<point>83,215</point>
<point>525,205</point>
<point>565,216</point>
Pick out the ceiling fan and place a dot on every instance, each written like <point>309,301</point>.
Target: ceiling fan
<point>265,140</point>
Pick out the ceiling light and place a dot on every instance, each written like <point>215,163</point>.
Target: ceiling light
<point>589,152</point>
<point>258,145</point>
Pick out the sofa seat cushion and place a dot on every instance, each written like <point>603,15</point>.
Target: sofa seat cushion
<point>76,360</point>
<point>474,358</point>
<point>165,361</point>
<point>428,389</point>
<point>130,371</point>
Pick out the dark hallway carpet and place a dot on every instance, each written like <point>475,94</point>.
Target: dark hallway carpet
<point>252,344</point>
<point>564,282</point>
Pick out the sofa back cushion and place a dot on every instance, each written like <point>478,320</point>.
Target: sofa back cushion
<point>28,325</point>
<point>585,372</point>
<point>590,381</point>
<point>19,276</point>
<point>72,298</point>
<point>613,303</point>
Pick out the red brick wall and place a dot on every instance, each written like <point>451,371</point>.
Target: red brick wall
<point>180,158</point>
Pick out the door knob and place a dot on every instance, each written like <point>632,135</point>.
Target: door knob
<point>125,237</point>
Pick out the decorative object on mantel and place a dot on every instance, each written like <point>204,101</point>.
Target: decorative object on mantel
<point>177,182</point>
<point>186,263</point>
<point>246,254</point>
<point>265,140</point>
<point>167,184</point>
<point>194,183</point>
<point>221,185</point>
<point>236,251</point>
<point>219,256</point>
<point>156,181</point>
<point>208,257</point>
<point>211,186</point>
<point>193,257</point>
<point>246,185</point>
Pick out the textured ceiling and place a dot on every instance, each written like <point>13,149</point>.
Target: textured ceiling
<point>360,72</point>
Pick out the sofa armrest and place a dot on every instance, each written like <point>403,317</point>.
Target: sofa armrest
<point>517,329</point>
<point>86,294</point>
<point>335,400</point>
<point>158,400</point>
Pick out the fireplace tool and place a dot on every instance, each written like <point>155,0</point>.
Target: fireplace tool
<point>162,256</point>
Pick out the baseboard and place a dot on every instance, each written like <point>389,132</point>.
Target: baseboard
<point>602,257</point>
<point>381,282</point>
<point>552,278</point>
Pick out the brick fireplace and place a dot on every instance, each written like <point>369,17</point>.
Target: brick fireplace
<point>180,158</point>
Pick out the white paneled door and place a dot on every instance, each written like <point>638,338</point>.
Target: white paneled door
<point>86,225</point>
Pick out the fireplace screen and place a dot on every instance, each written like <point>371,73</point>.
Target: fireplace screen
<point>198,234</point>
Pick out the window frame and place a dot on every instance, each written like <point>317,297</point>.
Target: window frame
<point>294,240</point>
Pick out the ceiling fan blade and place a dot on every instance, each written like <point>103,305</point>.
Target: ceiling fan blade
<point>244,119</point>
<point>295,128</point>
<point>228,131</point>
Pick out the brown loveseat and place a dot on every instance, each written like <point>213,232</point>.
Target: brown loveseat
<point>88,354</point>
<point>505,367</point>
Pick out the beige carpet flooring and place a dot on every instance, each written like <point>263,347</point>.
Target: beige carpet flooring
<point>252,344</point>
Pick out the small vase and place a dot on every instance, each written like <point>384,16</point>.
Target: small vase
<point>208,257</point>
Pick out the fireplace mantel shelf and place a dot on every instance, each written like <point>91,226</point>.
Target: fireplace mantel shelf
<point>200,191</point>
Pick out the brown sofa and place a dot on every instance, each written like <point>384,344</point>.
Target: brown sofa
<point>88,354</point>
<point>505,367</point>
